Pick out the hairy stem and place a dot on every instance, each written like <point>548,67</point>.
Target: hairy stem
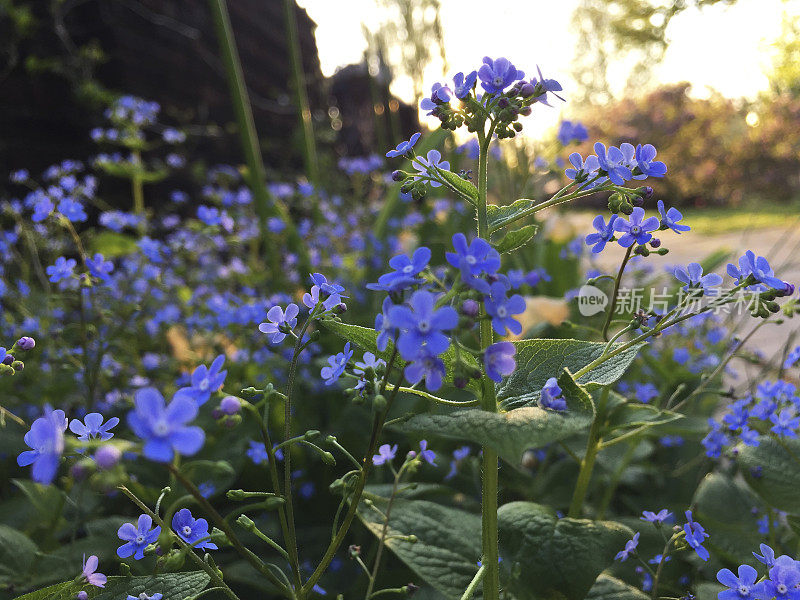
<point>615,293</point>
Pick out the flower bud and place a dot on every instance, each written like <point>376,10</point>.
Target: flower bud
<point>354,551</point>
<point>470,308</point>
<point>82,595</point>
<point>460,382</point>
<point>25,343</point>
<point>655,242</point>
<point>410,589</point>
<point>8,359</point>
<point>107,457</point>
<point>398,175</point>
<point>246,522</point>
<point>527,90</point>
<point>230,405</point>
<point>18,365</point>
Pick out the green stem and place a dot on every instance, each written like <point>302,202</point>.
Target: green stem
<point>301,95</point>
<point>382,540</point>
<point>266,205</point>
<point>490,552</point>
<point>614,295</point>
<point>474,583</point>
<point>664,554</point>
<point>587,464</point>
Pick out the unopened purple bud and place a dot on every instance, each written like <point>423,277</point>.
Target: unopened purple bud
<point>788,289</point>
<point>637,201</point>
<point>216,414</point>
<point>107,457</point>
<point>26,343</point>
<point>398,175</point>
<point>527,90</point>
<point>230,405</point>
<point>470,308</point>
<point>503,102</point>
<point>655,242</point>
<point>78,472</point>
<point>8,359</point>
<point>648,192</point>
<point>525,111</point>
<point>82,595</point>
<point>460,382</point>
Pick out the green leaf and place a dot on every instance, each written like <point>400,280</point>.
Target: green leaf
<point>547,558</point>
<point>175,586</point>
<point>511,433</point>
<point>500,216</point>
<point>540,359</point>
<point>461,186</point>
<point>112,244</point>
<point>448,542</point>
<point>779,478</point>
<point>724,509</point>
<point>515,239</point>
<point>610,588</point>
<point>17,556</point>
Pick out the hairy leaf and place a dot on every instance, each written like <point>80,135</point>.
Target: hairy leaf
<point>546,558</point>
<point>540,359</point>
<point>175,586</point>
<point>448,542</point>
<point>515,239</point>
<point>610,588</point>
<point>773,470</point>
<point>500,216</point>
<point>511,433</point>
<point>461,186</point>
<point>17,556</point>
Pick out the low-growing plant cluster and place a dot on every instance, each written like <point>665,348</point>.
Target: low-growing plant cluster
<point>217,396</point>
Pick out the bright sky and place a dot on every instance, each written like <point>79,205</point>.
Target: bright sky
<point>726,48</point>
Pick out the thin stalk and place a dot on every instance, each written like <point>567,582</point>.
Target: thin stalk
<point>355,497</point>
<point>657,578</point>
<point>587,464</point>
<point>614,295</point>
<point>382,540</point>
<point>266,205</point>
<point>473,585</point>
<point>226,528</point>
<point>301,95</point>
<point>489,544</point>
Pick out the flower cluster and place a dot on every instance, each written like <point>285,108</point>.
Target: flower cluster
<point>782,582</point>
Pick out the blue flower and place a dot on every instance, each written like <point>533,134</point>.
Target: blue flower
<point>657,518</point>
<point>403,148</point>
<point>645,392</point>
<point>604,233</point>
<point>90,574</point>
<point>670,218</point>
<point>783,582</point>
<point>695,536</point>
<point>192,530</point>
<point>544,86</point>
<point>637,229</point>
<point>440,94</point>
<point>93,427</point>
<point>336,365</point>
<point>62,269</point>
<point>258,453</point>
<point>498,360</point>
<point>768,557</point>
<point>42,208</point>
<point>496,75</point>
<point>429,165</point>
<point>551,396</point>
<point>72,209</point>
<point>759,268</point>
<point>100,267</point>
<point>386,453</point>
<point>474,259</point>
<point>630,548</point>
<point>569,131</point>
<point>205,381</point>
<point>501,309</point>
<point>743,587</point>
<point>694,279</point>
<point>164,428</point>
<point>463,84</point>
<point>405,271</point>
<point>612,162</point>
<point>383,326</point>
<point>46,438</point>
<point>138,537</point>
<point>583,170</point>
<point>422,326</point>
<point>427,455</point>
<point>279,321</point>
<point>644,161</point>
<point>792,358</point>
<point>329,294</point>
<point>715,441</point>
<point>785,423</point>
<point>427,367</point>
